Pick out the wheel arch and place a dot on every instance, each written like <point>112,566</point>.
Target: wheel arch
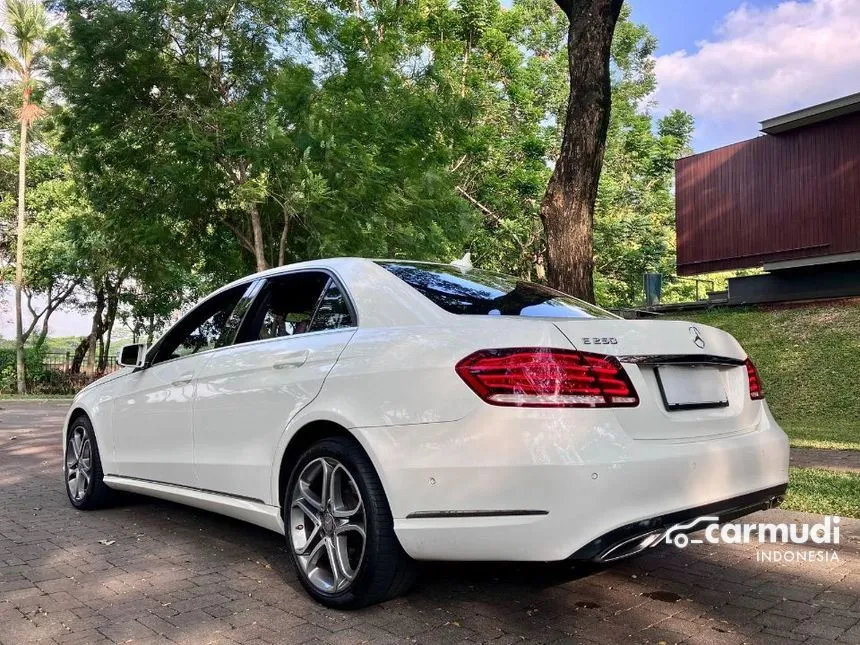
<point>79,409</point>
<point>74,413</point>
<point>306,435</point>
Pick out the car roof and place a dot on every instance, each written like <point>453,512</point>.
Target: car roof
<point>325,263</point>
<point>337,264</point>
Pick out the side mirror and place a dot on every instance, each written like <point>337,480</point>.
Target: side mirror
<point>132,355</point>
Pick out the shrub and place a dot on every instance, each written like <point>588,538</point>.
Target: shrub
<point>33,359</point>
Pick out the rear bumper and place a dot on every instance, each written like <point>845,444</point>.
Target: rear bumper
<point>529,485</point>
<point>635,537</point>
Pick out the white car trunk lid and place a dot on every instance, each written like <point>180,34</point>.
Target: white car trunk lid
<point>690,378</point>
<point>648,338</point>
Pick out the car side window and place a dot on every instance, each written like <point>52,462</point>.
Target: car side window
<point>212,324</point>
<point>287,305</point>
<point>333,311</point>
<point>297,303</point>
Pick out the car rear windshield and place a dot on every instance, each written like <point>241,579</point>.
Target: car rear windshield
<point>475,292</point>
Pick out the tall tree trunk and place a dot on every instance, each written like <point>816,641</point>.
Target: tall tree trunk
<point>96,330</point>
<point>110,319</point>
<point>20,364</point>
<point>80,354</point>
<point>257,230</point>
<point>567,209</point>
<point>43,334</point>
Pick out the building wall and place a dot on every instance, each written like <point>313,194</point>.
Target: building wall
<point>776,197</point>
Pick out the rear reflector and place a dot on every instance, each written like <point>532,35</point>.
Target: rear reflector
<point>756,388</point>
<point>547,378</point>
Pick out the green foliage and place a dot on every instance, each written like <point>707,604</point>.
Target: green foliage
<point>515,73</point>
<point>634,228</point>
<point>813,490</point>
<point>519,90</point>
<point>323,124</point>
<point>8,377</point>
<point>202,139</point>
<point>59,215</point>
<point>379,140</point>
<point>808,391</point>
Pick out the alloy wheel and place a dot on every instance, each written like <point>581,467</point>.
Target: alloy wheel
<point>79,464</point>
<point>328,525</point>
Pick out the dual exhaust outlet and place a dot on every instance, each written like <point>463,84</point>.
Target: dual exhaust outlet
<point>649,539</point>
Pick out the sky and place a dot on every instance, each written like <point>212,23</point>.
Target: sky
<point>729,63</point>
<point>732,64</point>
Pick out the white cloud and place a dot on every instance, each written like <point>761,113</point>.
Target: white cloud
<point>765,61</point>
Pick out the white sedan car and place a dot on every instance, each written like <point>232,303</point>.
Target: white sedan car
<point>380,412</point>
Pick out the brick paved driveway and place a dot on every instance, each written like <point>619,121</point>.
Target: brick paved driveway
<point>187,576</point>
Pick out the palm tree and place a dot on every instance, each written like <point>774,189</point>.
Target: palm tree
<point>23,56</point>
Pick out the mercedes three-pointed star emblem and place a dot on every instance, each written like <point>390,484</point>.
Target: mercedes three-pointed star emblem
<point>696,335</point>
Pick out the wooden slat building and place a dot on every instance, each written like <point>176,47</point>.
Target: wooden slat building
<point>785,201</point>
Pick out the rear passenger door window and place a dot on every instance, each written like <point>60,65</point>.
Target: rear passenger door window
<point>297,303</point>
<point>333,311</point>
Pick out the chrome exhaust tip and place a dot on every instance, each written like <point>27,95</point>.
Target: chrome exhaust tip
<point>631,546</point>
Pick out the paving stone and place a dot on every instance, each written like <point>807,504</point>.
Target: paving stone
<point>185,576</point>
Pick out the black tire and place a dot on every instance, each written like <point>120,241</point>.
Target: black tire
<point>95,493</point>
<point>385,571</point>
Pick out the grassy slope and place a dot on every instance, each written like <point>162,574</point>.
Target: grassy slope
<point>809,359</point>
<point>823,491</point>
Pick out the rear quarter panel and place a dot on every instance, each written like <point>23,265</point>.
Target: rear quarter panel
<point>405,375</point>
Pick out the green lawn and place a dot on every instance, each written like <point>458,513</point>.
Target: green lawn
<point>823,491</point>
<point>36,398</point>
<point>809,359</point>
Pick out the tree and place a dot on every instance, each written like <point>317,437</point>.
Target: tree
<point>23,55</point>
<point>175,98</point>
<point>567,209</point>
<point>51,266</point>
<point>306,128</point>
<point>516,86</point>
<point>51,274</point>
<point>634,221</point>
<point>384,122</point>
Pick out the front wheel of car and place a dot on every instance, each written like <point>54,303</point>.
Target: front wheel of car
<point>83,467</point>
<point>339,528</point>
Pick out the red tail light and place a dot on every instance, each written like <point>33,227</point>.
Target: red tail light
<point>547,378</point>
<point>756,387</point>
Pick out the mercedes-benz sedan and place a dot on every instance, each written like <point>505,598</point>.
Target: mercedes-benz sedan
<point>380,412</point>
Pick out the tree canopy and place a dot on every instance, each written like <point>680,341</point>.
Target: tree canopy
<point>187,142</point>
<point>302,129</point>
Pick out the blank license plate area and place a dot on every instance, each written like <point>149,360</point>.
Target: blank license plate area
<point>685,387</point>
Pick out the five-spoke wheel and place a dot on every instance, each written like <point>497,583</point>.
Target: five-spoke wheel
<point>79,464</point>
<point>339,527</point>
<point>328,526</point>
<point>82,467</point>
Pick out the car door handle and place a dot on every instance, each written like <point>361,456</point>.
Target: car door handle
<point>294,359</point>
<point>185,379</point>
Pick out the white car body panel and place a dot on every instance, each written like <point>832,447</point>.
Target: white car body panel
<point>275,378</point>
<point>151,421</point>
<point>218,441</point>
<point>589,477</point>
